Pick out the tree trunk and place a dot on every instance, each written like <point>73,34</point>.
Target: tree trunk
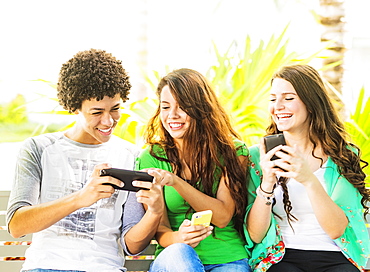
<point>331,15</point>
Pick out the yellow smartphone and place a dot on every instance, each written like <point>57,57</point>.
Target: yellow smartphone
<point>202,218</point>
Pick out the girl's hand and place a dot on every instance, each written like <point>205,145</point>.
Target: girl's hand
<point>193,235</point>
<point>165,177</point>
<point>294,164</point>
<point>268,167</point>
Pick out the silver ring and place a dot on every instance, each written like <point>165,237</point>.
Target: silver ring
<point>273,164</point>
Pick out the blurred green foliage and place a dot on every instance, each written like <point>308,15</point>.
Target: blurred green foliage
<point>15,125</point>
<point>19,132</point>
<point>358,126</point>
<point>241,77</point>
<point>14,112</point>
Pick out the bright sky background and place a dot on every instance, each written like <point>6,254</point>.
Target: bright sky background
<point>38,36</point>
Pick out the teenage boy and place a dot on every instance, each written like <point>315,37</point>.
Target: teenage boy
<point>78,223</point>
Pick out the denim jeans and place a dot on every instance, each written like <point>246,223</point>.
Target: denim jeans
<point>182,257</point>
<point>236,266</point>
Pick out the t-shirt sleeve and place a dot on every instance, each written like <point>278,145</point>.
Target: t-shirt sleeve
<point>146,160</point>
<point>133,211</point>
<point>241,148</point>
<point>254,181</point>
<point>27,178</point>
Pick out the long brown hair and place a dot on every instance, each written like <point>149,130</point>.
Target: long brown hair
<point>325,129</point>
<point>210,149</point>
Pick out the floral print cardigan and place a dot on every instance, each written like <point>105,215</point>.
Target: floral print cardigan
<point>354,243</point>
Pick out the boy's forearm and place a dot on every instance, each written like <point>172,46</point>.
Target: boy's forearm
<point>140,235</point>
<point>31,219</point>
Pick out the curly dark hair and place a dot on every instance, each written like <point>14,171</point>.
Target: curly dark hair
<point>91,74</point>
<point>211,152</point>
<point>326,129</point>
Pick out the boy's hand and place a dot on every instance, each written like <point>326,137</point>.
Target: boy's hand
<point>152,199</point>
<point>94,188</point>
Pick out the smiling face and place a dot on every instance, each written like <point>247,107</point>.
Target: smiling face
<point>173,118</point>
<point>96,120</point>
<point>286,108</point>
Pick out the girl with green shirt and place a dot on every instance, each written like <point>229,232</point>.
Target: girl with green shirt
<point>202,165</point>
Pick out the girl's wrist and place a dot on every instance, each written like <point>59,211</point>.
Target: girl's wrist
<point>267,189</point>
<point>267,196</point>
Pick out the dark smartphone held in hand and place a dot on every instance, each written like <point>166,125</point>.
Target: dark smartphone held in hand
<point>272,141</point>
<point>127,177</point>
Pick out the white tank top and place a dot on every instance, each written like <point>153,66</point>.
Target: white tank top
<point>307,233</point>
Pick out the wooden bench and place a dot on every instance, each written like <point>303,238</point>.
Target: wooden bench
<point>12,250</point>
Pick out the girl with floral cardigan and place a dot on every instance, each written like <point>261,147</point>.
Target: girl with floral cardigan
<point>306,208</point>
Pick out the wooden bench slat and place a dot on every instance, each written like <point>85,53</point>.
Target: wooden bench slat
<point>13,250</point>
<point>138,265</point>
<point>10,266</point>
<point>5,236</point>
<point>149,250</point>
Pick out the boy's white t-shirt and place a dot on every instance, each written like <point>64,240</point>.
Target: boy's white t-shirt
<point>51,166</point>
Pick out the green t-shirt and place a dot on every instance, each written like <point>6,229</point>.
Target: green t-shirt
<point>227,245</point>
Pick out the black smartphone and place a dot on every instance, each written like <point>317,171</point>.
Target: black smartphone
<point>126,176</point>
<point>272,141</point>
